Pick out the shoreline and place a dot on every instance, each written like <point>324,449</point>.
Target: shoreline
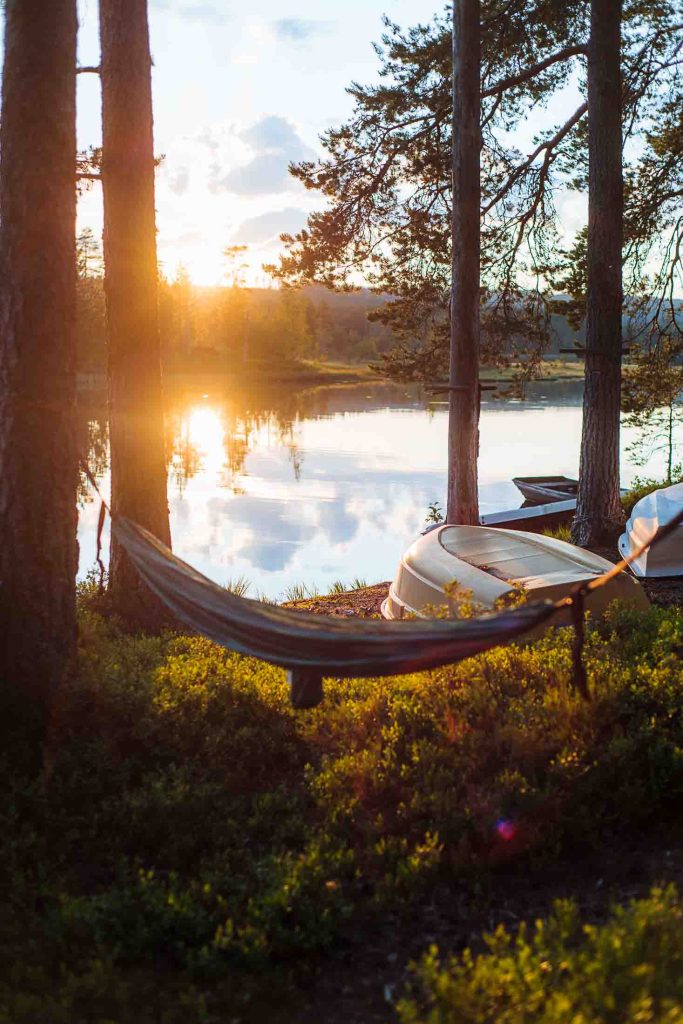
<point>319,374</point>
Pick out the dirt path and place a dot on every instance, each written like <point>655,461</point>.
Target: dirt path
<point>363,603</point>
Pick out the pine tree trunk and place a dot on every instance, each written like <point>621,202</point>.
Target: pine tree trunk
<point>463,422</point>
<point>598,511</point>
<point>136,415</point>
<point>38,456</point>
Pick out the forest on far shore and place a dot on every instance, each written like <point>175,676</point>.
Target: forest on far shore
<point>213,328</point>
<point>210,328</point>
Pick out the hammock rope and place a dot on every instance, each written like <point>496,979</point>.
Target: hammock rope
<point>312,646</point>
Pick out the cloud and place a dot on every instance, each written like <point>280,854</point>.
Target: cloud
<point>269,556</point>
<point>275,133</point>
<point>275,144</point>
<point>297,30</point>
<point>206,13</point>
<point>179,180</point>
<point>264,175</point>
<point>268,226</point>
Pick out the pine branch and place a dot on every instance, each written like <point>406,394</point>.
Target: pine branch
<point>524,76</point>
<point>88,71</point>
<point>546,147</point>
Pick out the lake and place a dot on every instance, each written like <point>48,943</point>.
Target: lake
<point>286,486</point>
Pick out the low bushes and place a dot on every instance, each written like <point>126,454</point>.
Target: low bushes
<point>198,830</point>
<point>626,971</point>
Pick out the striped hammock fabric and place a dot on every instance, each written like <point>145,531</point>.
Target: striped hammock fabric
<point>314,646</point>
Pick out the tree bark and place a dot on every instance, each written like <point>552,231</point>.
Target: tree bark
<point>463,422</point>
<point>136,415</point>
<point>38,455</point>
<point>598,510</point>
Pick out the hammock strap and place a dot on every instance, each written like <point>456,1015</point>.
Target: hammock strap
<point>104,508</point>
<point>98,554</point>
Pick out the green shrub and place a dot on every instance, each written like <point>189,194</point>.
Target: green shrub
<point>195,825</point>
<point>626,971</point>
<point>642,486</point>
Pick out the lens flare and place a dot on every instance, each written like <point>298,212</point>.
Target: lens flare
<point>507,830</point>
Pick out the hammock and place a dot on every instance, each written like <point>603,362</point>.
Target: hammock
<point>313,646</point>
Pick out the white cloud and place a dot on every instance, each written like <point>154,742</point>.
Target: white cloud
<point>274,143</point>
<point>266,174</point>
<point>206,13</point>
<point>274,133</point>
<point>297,30</point>
<point>179,180</point>
<point>267,227</point>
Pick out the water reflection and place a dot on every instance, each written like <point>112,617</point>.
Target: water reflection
<point>285,486</point>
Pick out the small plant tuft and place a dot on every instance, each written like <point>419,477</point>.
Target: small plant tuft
<point>240,586</point>
<point>300,592</point>
<point>559,533</point>
<point>434,513</point>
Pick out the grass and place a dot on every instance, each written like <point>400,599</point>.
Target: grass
<point>201,849</point>
<point>300,592</point>
<point>559,533</point>
<point>339,587</point>
<point>569,369</point>
<point>240,586</point>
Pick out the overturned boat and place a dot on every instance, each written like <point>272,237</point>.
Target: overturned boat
<point>540,490</point>
<point>490,563</point>
<point>647,516</point>
<point>533,518</point>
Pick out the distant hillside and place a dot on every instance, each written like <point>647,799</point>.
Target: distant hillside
<point>564,336</point>
<point>216,325</point>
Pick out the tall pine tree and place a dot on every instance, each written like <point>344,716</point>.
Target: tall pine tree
<point>138,465</point>
<point>38,457</point>
<point>463,421</point>
<point>598,508</point>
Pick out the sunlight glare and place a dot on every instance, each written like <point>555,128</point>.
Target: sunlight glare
<point>205,431</point>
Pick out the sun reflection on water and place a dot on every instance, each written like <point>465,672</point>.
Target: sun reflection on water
<point>205,432</point>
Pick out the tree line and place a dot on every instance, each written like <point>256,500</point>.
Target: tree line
<point>233,327</point>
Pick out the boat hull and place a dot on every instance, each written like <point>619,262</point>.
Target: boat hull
<point>663,560</point>
<point>540,490</point>
<point>489,563</point>
<point>534,518</point>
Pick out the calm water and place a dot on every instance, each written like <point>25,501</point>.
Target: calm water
<point>327,484</point>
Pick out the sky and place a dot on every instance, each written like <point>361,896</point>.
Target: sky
<point>240,90</point>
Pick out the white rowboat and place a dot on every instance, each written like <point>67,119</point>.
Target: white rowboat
<point>490,563</point>
<point>647,516</point>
